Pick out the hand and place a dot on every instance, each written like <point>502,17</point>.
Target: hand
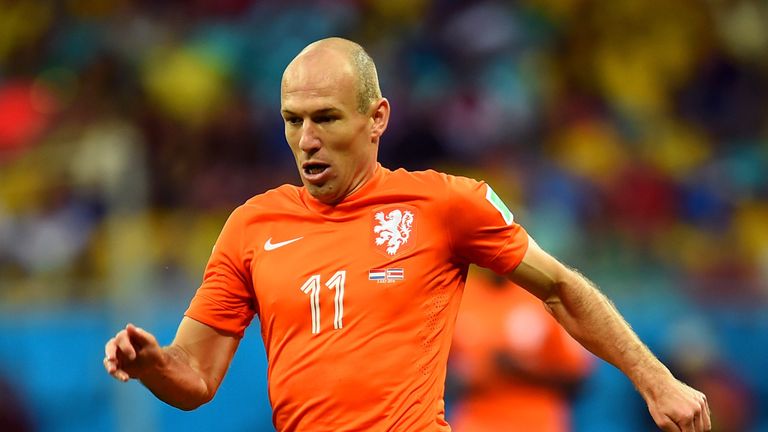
<point>679,408</point>
<point>131,352</point>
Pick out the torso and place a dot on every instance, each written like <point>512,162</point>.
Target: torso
<point>339,313</point>
<point>357,302</point>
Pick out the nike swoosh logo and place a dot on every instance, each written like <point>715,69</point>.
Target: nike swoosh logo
<point>268,245</point>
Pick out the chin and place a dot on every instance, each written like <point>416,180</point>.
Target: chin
<point>322,193</point>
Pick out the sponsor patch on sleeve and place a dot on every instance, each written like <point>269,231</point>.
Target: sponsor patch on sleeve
<point>498,204</point>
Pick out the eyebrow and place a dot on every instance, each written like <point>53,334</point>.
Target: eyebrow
<point>322,111</point>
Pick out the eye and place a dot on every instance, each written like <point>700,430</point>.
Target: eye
<point>324,119</point>
<point>293,120</point>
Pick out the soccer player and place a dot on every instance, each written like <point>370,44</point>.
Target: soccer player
<point>356,278</point>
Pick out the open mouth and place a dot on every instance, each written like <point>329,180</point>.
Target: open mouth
<point>314,168</point>
<point>316,173</point>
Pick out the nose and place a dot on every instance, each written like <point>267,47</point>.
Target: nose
<point>309,141</point>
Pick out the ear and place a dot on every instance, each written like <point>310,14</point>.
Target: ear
<point>380,118</point>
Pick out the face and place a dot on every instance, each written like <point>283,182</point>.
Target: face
<point>335,146</point>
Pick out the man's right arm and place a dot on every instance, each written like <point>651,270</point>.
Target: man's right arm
<point>185,374</point>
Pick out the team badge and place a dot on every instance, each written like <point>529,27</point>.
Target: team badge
<point>393,229</point>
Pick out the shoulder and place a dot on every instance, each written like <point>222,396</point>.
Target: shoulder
<point>442,193</point>
<point>282,197</point>
<point>433,179</point>
<point>440,185</point>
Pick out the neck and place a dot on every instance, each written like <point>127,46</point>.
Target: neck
<point>365,174</point>
<point>360,179</point>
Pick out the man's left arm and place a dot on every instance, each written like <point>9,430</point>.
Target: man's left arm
<point>591,318</point>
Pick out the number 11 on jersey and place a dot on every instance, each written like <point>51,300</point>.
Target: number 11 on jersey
<point>312,287</point>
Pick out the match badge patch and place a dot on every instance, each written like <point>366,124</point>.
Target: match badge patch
<point>393,229</point>
<point>389,275</point>
<point>498,204</point>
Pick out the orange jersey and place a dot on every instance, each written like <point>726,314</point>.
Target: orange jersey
<point>500,318</point>
<point>357,302</point>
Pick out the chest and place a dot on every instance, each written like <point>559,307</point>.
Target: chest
<point>321,275</point>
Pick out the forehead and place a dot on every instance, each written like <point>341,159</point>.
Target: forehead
<point>318,81</point>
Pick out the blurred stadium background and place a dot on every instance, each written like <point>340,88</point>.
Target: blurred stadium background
<point>630,137</point>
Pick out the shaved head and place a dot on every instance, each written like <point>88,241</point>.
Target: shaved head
<point>334,117</point>
<point>345,54</point>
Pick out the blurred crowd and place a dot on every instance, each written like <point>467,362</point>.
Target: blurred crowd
<point>624,133</point>
<point>630,137</point>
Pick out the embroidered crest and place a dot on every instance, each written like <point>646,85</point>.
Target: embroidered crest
<point>393,229</point>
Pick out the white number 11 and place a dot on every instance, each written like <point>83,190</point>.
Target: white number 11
<point>312,287</point>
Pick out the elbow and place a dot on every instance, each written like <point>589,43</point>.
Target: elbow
<point>564,282</point>
<point>192,404</point>
<point>190,407</point>
<point>569,297</point>
<point>186,401</point>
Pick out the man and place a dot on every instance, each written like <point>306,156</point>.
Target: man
<point>356,278</point>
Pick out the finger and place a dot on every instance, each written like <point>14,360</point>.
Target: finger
<point>116,373</point>
<point>667,425</point>
<point>706,414</point>
<point>698,422</point>
<point>113,370</point>
<point>120,375</point>
<point>123,376</point>
<point>108,363</point>
<point>139,336</point>
<point>109,349</point>
<point>124,345</point>
<point>686,425</point>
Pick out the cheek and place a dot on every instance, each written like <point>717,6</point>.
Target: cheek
<point>347,139</point>
<point>292,140</point>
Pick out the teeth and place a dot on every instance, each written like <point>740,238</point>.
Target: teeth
<point>315,169</point>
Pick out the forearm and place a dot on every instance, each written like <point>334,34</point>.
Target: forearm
<point>593,320</point>
<point>174,381</point>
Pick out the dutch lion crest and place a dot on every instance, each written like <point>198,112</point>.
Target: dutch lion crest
<point>394,229</point>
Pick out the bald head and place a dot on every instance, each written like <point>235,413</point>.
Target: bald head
<point>344,57</point>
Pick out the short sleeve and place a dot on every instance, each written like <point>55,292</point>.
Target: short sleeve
<point>482,229</point>
<point>225,299</point>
